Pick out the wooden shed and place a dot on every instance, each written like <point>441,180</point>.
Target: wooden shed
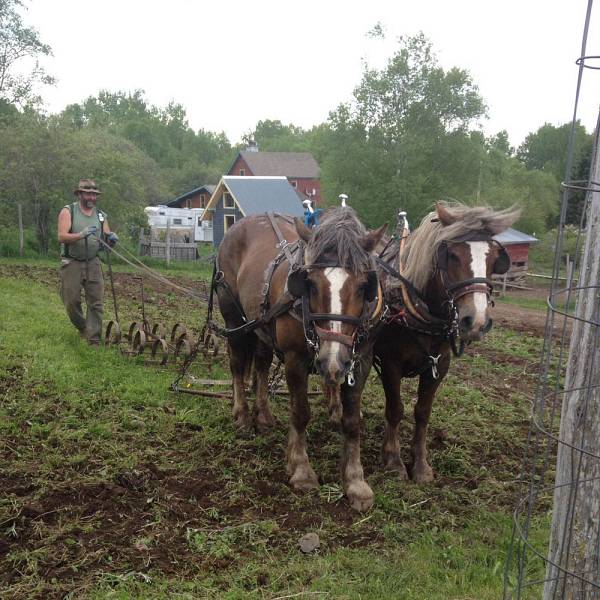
<point>517,245</point>
<point>237,197</point>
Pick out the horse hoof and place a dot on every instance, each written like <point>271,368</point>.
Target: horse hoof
<point>423,474</point>
<point>360,496</point>
<point>264,424</point>
<point>393,462</point>
<point>243,424</point>
<point>304,480</point>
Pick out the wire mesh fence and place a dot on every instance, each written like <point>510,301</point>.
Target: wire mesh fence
<point>555,548</point>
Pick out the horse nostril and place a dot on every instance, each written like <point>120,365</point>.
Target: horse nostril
<point>487,326</point>
<point>466,323</point>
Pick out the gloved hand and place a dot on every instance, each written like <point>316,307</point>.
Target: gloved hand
<point>89,230</point>
<point>112,238</point>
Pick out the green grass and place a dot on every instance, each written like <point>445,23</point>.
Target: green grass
<point>118,488</point>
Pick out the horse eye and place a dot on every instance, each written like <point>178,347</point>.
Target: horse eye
<point>453,257</point>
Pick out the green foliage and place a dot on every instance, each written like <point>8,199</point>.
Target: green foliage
<point>546,150</point>
<point>18,45</point>
<point>187,159</point>
<point>542,254</point>
<point>273,136</point>
<point>405,143</point>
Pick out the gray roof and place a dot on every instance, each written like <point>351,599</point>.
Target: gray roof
<point>256,195</point>
<point>290,164</point>
<point>512,236</point>
<point>209,188</point>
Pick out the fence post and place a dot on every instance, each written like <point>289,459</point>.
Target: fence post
<point>573,546</point>
<point>20,210</point>
<point>168,242</point>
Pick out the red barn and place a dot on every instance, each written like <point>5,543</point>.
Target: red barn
<point>517,245</point>
<point>300,168</point>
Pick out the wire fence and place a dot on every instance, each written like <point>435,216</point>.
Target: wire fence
<point>555,547</point>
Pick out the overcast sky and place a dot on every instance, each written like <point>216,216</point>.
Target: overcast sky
<point>232,63</point>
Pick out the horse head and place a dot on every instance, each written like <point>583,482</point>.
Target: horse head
<point>339,288</point>
<point>465,265</point>
<point>451,257</point>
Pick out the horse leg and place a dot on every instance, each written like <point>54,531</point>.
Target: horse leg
<point>263,357</point>
<point>334,403</point>
<point>357,490</point>
<point>302,476</point>
<point>240,356</point>
<point>421,471</point>
<point>394,413</point>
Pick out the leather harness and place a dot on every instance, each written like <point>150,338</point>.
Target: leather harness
<point>297,307</point>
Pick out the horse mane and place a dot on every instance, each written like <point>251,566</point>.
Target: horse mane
<point>421,247</point>
<point>339,237</point>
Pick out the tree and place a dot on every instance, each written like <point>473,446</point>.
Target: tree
<point>18,44</point>
<point>274,136</point>
<point>188,159</point>
<point>546,150</point>
<point>389,147</point>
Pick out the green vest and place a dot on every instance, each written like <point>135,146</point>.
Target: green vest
<point>79,222</point>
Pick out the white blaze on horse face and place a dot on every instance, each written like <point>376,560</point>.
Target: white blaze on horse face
<point>336,277</point>
<point>479,252</point>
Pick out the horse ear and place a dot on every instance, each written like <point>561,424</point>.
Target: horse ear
<point>372,238</point>
<point>444,215</point>
<point>303,231</point>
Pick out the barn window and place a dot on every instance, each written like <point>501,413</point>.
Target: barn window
<point>177,221</point>
<point>242,172</point>
<point>228,200</point>
<point>520,263</point>
<point>202,201</point>
<point>229,221</point>
<point>188,203</point>
<point>294,184</point>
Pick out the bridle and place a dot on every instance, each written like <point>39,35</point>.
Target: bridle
<point>472,285</point>
<point>315,334</point>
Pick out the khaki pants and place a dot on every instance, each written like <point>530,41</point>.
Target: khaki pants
<point>73,277</point>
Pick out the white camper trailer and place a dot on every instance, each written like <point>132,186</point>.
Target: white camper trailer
<point>185,224</point>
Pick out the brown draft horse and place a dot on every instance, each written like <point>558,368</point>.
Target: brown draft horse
<point>449,260</point>
<point>338,287</point>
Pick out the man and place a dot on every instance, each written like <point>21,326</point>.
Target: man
<point>81,225</point>
<point>311,215</point>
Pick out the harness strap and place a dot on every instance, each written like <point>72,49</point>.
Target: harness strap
<point>335,336</point>
<point>283,243</point>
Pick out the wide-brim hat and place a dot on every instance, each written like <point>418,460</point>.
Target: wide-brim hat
<point>87,185</point>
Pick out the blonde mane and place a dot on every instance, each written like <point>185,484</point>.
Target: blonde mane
<point>418,256</point>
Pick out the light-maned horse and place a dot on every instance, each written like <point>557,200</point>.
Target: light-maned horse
<point>331,270</point>
<point>449,260</point>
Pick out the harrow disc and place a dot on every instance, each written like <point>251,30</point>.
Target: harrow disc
<point>183,348</point>
<point>160,345</point>
<point>158,330</point>
<point>211,345</point>
<point>139,342</point>
<point>135,326</point>
<point>113,334</point>
<point>177,331</point>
